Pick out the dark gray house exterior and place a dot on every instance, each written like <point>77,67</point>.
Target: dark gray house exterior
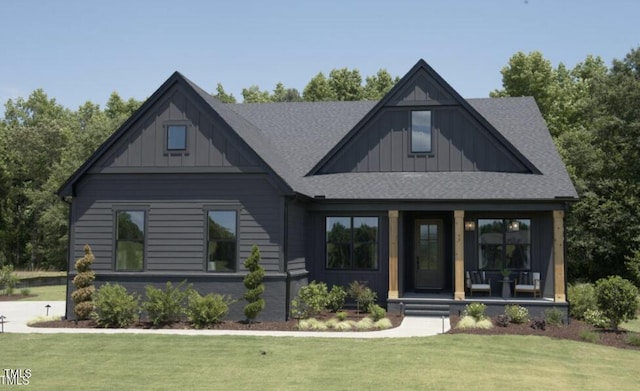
<point>407,194</point>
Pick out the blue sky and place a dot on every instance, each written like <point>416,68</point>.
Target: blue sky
<point>83,50</point>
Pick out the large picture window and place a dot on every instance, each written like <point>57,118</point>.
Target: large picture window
<point>130,240</point>
<point>421,131</point>
<point>222,240</point>
<point>504,244</point>
<point>352,242</point>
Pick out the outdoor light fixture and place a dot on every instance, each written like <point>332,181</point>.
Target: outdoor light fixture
<point>469,225</point>
<point>514,226</point>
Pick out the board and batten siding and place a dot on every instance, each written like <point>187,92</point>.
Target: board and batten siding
<point>176,208</point>
<point>459,144</point>
<point>209,141</point>
<point>459,141</point>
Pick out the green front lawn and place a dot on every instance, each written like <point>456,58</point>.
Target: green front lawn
<point>45,293</point>
<point>28,274</point>
<point>446,362</point>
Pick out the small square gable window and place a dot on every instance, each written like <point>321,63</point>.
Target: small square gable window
<point>176,137</point>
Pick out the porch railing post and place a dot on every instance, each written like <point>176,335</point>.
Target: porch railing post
<point>393,254</point>
<point>458,265</point>
<point>558,256</point>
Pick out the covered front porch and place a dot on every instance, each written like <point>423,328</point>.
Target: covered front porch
<point>413,291</point>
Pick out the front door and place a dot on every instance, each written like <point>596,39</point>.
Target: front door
<point>429,258</point>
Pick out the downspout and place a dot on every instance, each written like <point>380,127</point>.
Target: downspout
<point>66,298</point>
<point>285,252</point>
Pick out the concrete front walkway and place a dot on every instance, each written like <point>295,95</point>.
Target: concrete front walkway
<point>18,313</point>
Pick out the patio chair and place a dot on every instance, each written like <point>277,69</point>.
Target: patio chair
<point>528,282</point>
<point>477,281</point>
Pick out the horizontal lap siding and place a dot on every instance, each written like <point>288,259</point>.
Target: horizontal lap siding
<point>176,218</point>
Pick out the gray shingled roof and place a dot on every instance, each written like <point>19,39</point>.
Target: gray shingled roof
<point>302,133</point>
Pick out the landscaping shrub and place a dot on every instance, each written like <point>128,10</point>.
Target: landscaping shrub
<point>83,281</point>
<point>25,291</point>
<point>376,312</point>
<point>253,283</point>
<point>617,298</point>
<point>596,318</point>
<point>341,315</point>
<point>589,336</point>
<point>475,310</point>
<point>538,324</point>
<point>165,306</point>
<point>582,297</point>
<point>312,299</point>
<point>634,339</point>
<point>207,310</point>
<point>362,294</point>
<point>554,317</point>
<point>335,299</point>
<point>115,307</point>
<point>516,313</point>
<point>502,320</point>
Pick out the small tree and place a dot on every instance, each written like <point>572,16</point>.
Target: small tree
<point>83,281</point>
<point>254,285</point>
<point>617,299</point>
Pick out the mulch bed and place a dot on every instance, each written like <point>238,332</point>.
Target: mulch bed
<point>290,325</point>
<point>616,339</point>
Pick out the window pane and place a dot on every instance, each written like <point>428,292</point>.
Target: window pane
<point>176,137</point>
<point>518,256</point>
<point>421,131</point>
<point>222,243</point>
<point>129,240</point>
<point>338,242</point>
<point>518,231</point>
<point>222,225</point>
<point>222,256</point>
<point>365,246</point>
<point>491,256</point>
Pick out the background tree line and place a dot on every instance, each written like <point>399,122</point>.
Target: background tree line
<point>592,111</point>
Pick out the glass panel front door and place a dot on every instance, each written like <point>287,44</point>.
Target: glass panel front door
<point>428,250</point>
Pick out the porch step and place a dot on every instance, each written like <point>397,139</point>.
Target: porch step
<point>423,309</point>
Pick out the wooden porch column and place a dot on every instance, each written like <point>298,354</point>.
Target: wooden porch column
<point>458,265</point>
<point>393,254</point>
<point>558,256</point>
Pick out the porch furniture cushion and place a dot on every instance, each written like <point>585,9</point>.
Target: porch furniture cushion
<point>528,282</point>
<point>477,281</point>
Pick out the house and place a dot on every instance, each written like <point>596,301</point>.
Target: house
<point>407,194</point>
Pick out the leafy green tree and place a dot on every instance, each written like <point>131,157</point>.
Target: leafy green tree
<point>281,94</point>
<point>253,283</point>
<point>346,84</point>
<point>377,86</point>
<point>318,89</point>
<point>254,95</point>
<point>222,95</point>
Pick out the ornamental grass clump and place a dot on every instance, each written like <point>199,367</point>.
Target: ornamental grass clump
<point>364,324</point>
<point>83,281</point>
<point>383,324</point>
